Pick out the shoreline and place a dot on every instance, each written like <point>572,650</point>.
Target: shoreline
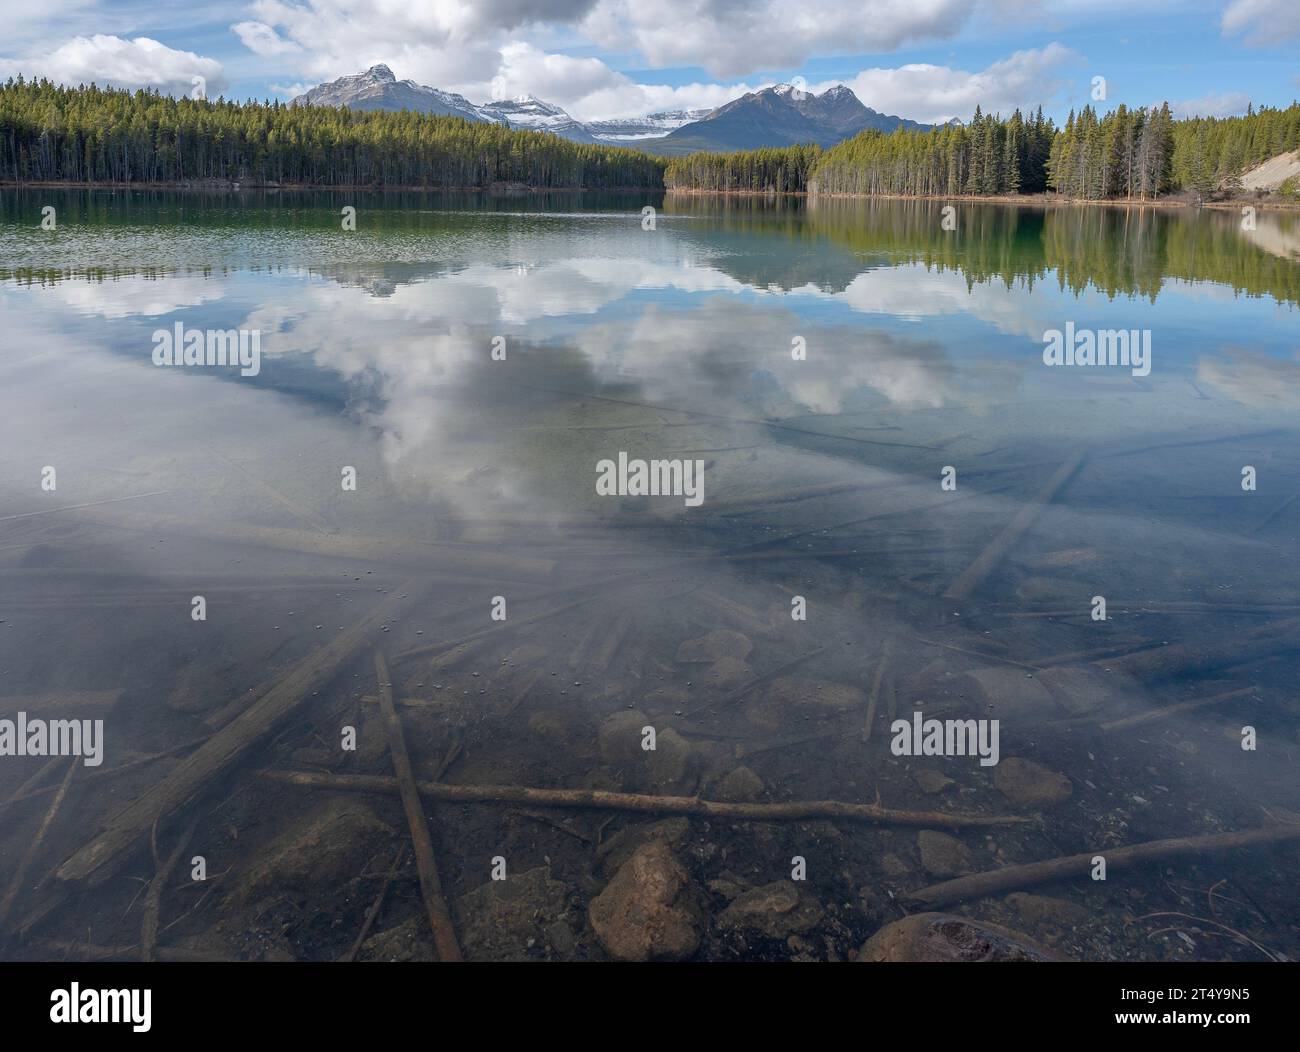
<point>1271,204</point>
<point>498,189</point>
<point>1023,200</point>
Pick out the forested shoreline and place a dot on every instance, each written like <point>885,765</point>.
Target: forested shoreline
<point>1126,155</point>
<point>988,157</point>
<point>93,136</point>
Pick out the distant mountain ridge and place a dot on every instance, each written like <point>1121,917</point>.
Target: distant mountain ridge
<point>777,116</point>
<point>379,89</point>
<point>652,125</point>
<point>781,115</point>
<point>533,114</point>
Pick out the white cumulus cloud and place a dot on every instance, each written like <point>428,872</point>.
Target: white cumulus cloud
<point>262,40</point>
<point>503,48</point>
<point>1262,22</point>
<point>733,39</point>
<point>462,45</point>
<point>934,94</point>
<point>587,88</point>
<point>114,61</point>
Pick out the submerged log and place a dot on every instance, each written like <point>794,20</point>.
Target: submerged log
<point>98,773</point>
<point>980,885</point>
<point>1183,659</point>
<point>225,747</point>
<point>444,932</point>
<point>599,799</point>
<point>987,561</point>
<point>63,704</point>
<point>153,900</point>
<point>25,790</point>
<point>1174,710</point>
<point>877,681</point>
<point>34,848</point>
<point>369,920</point>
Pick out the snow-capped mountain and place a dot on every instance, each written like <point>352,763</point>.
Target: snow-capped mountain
<point>378,89</point>
<point>780,115</point>
<point>529,112</point>
<point>651,126</point>
<point>525,111</point>
<point>777,116</point>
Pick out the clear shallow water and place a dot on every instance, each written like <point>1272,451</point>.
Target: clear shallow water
<point>822,480</point>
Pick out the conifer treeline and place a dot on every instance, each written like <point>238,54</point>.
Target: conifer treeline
<point>90,134</point>
<point>776,169</point>
<point>1144,153</point>
<point>1127,153</point>
<point>988,156</point>
<point>991,155</point>
<point>1209,151</point>
<point>50,133</point>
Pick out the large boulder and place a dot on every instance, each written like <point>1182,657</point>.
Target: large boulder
<point>614,852</point>
<point>777,911</point>
<point>323,851</point>
<point>668,766</point>
<point>506,920</point>
<point>948,937</point>
<point>650,910</point>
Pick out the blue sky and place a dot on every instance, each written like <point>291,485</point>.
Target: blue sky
<point>924,59</point>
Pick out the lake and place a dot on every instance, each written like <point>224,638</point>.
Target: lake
<point>750,481</point>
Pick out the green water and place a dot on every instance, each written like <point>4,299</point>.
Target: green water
<point>822,479</point>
